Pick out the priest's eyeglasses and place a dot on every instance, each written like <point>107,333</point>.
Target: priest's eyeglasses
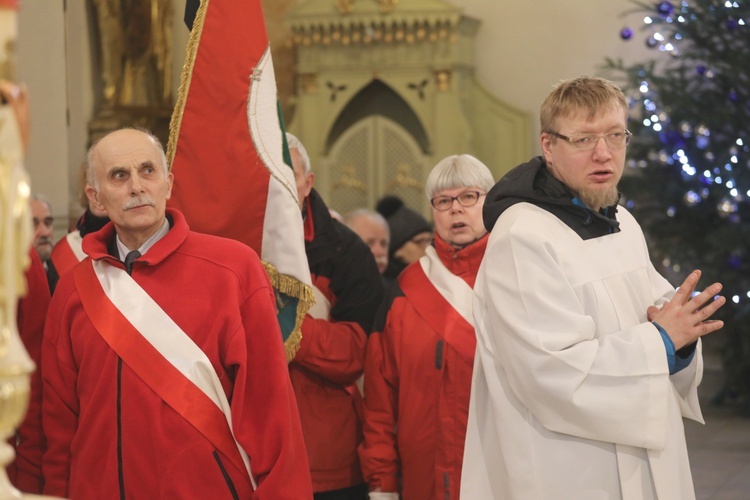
<point>614,140</point>
<point>465,199</point>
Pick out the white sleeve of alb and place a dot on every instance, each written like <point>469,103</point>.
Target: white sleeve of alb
<point>384,495</point>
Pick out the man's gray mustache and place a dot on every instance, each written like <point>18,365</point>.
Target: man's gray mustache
<point>138,201</point>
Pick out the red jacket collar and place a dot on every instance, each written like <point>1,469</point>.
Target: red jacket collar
<point>309,222</point>
<point>96,245</point>
<point>463,262</point>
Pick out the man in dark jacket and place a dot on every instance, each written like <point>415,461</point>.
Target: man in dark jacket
<point>330,359</point>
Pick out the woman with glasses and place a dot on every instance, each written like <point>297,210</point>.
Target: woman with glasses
<point>419,358</point>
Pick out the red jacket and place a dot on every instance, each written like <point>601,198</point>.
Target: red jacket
<point>63,257</point>
<point>332,351</point>
<point>417,384</point>
<point>25,472</point>
<point>109,434</point>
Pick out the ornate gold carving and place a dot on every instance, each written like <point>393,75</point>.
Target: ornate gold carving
<point>374,32</point>
<point>309,82</point>
<point>134,40</point>
<point>404,179</point>
<point>8,31</point>
<point>345,6</point>
<point>349,179</point>
<point>443,79</point>
<point>387,6</point>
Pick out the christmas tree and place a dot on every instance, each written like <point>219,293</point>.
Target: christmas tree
<point>688,175</point>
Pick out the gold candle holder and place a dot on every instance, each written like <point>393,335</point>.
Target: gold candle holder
<point>15,241</point>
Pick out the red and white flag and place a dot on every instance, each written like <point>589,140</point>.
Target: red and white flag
<point>227,150</point>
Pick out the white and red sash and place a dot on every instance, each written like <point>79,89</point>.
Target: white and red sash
<point>68,252</point>
<point>321,309</point>
<point>160,353</point>
<point>443,299</point>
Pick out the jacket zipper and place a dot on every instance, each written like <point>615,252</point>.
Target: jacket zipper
<point>120,472</point>
<point>439,355</point>
<point>228,479</point>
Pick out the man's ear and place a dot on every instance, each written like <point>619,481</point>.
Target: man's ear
<point>309,180</point>
<point>93,196</point>
<point>546,142</point>
<point>170,181</point>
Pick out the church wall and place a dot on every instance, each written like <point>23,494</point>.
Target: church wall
<point>522,48</point>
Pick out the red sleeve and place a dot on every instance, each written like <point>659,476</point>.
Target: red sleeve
<point>379,451</point>
<point>264,410</point>
<point>26,471</point>
<point>60,404</point>
<point>334,350</point>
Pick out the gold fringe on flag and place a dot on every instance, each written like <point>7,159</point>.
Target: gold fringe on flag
<point>303,293</point>
<point>185,78</point>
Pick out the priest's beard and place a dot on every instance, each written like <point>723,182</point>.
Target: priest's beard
<point>599,198</point>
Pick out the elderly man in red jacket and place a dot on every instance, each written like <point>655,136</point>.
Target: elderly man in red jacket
<point>164,369</point>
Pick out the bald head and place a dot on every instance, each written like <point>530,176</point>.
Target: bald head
<point>128,180</point>
<point>373,229</point>
<point>118,139</point>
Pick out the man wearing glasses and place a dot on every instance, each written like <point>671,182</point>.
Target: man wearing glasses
<point>587,359</point>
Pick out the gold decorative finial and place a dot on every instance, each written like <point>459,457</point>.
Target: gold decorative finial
<point>345,6</point>
<point>387,6</point>
<point>443,79</point>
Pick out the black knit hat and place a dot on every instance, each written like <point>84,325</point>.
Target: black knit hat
<point>404,222</point>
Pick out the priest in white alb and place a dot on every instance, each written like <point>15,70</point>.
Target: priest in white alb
<point>587,360</point>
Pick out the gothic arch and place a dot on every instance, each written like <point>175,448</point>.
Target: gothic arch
<point>378,98</point>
